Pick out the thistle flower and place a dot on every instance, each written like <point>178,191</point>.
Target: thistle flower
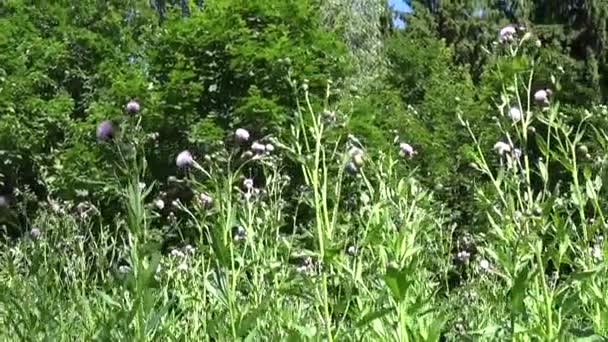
<point>463,256</point>
<point>351,250</point>
<point>484,264</point>
<point>239,233</point>
<point>542,96</point>
<point>258,148</point>
<point>177,253</point>
<point>124,269</point>
<point>35,233</point>
<point>507,33</point>
<point>184,159</point>
<point>351,168</point>
<point>105,130</point>
<point>189,249</point>
<point>159,204</point>
<point>248,183</point>
<point>241,135</point>
<point>501,148</point>
<point>515,114</point>
<point>132,107</point>
<point>406,149</point>
<point>206,200</point>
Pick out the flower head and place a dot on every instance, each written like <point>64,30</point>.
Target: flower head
<point>406,149</point>
<point>515,114</point>
<point>351,168</point>
<point>105,130</point>
<point>248,183</point>
<point>159,204</point>
<point>132,107</point>
<point>184,159</point>
<point>206,200</point>
<point>239,233</point>
<point>501,148</point>
<point>507,33</point>
<point>241,134</point>
<point>35,233</point>
<point>269,148</point>
<point>542,96</point>
<point>258,148</point>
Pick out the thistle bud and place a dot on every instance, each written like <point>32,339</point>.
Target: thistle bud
<point>184,159</point>
<point>241,135</point>
<point>258,148</point>
<point>132,107</point>
<point>541,97</point>
<point>105,130</point>
<point>351,168</point>
<point>515,114</point>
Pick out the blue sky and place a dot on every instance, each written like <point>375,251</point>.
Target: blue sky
<point>399,5</point>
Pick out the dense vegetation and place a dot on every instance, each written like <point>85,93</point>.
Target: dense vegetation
<point>303,170</point>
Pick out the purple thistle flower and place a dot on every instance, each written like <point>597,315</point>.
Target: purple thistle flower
<point>507,33</point>
<point>35,233</point>
<point>351,168</point>
<point>241,135</point>
<point>132,107</point>
<point>206,200</point>
<point>184,159</point>
<point>105,130</point>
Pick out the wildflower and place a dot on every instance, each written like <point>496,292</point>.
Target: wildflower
<point>239,233</point>
<point>355,151</point>
<point>184,159</point>
<point>124,269</point>
<point>159,204</point>
<point>351,250</point>
<point>541,96</point>
<point>189,249</point>
<point>515,114</point>
<point>306,265</point>
<point>507,33</point>
<point>105,130</point>
<point>206,200</point>
<point>501,148</point>
<point>241,135</point>
<point>406,149</point>
<point>248,183</point>
<point>183,267</point>
<point>329,115</point>
<point>177,253</point>
<point>269,148</point>
<point>351,168</point>
<point>132,107</point>
<point>35,233</point>
<point>484,264</point>
<point>258,148</point>
<point>463,256</point>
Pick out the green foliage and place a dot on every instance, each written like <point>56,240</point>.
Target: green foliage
<point>394,184</point>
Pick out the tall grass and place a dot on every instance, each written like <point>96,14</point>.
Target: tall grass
<point>360,254</point>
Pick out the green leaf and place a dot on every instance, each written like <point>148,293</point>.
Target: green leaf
<point>397,282</point>
<point>373,316</point>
